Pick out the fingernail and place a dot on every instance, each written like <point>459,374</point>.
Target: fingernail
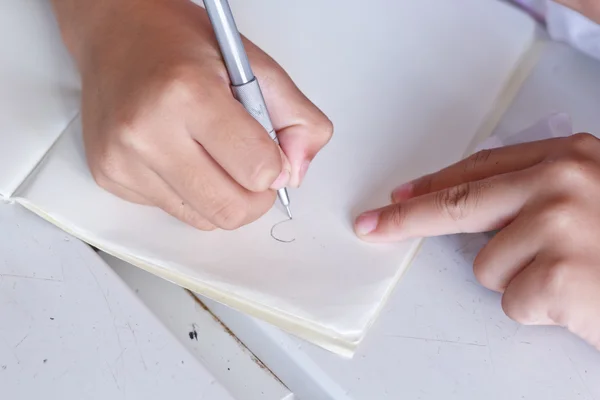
<point>367,223</point>
<point>282,180</point>
<point>403,192</point>
<point>302,172</point>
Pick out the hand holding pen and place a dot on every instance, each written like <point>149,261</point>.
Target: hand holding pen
<point>160,124</point>
<point>245,87</point>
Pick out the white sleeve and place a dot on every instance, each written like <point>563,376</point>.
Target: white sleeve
<point>564,24</point>
<point>571,27</point>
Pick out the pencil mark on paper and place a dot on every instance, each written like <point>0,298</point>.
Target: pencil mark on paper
<point>274,236</point>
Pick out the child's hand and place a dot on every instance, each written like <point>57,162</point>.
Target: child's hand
<point>160,123</point>
<point>545,198</point>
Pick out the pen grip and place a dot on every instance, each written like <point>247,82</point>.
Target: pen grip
<point>251,97</point>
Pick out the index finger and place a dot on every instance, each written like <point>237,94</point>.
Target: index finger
<point>238,143</point>
<point>468,207</point>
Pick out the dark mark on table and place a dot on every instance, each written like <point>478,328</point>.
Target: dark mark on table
<point>260,364</point>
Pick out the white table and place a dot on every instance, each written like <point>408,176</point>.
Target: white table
<point>220,350</point>
<point>71,329</point>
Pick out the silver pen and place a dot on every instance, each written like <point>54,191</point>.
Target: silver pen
<point>244,85</point>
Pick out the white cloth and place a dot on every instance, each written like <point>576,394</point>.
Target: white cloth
<point>566,25</point>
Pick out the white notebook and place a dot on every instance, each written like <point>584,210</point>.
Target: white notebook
<point>409,85</point>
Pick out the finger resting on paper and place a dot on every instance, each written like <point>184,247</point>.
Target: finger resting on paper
<point>469,207</point>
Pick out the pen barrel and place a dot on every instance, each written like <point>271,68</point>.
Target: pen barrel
<point>251,97</point>
<point>284,198</point>
<point>230,41</point>
<point>245,87</point>
<point>253,101</point>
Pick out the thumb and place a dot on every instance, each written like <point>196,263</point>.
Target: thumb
<point>301,143</point>
<point>302,128</point>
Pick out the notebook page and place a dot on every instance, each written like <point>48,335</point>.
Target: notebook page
<point>39,88</point>
<point>407,85</point>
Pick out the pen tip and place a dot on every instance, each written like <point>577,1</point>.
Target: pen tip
<point>289,212</point>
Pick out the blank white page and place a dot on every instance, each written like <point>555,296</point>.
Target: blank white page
<point>407,85</point>
<point>39,88</point>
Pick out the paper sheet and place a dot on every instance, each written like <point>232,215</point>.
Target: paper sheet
<point>39,85</point>
<point>407,85</point>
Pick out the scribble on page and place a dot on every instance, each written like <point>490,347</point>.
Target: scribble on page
<point>274,234</point>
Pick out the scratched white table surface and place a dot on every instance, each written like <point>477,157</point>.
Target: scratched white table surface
<point>71,329</point>
<point>443,336</point>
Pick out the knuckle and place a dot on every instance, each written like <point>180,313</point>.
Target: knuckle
<point>260,205</point>
<point>128,134</point>
<point>198,222</point>
<point>230,215</point>
<point>582,142</point>
<point>484,275</point>
<point>423,185</point>
<point>188,215</point>
<point>394,216</point>
<point>320,131</point>
<point>179,82</point>
<point>554,278</point>
<point>179,209</point>
<point>130,137</point>
<point>554,281</point>
<point>324,129</point>
<point>514,310</point>
<point>181,86</point>
<point>558,217</point>
<point>476,159</point>
<point>204,226</point>
<point>266,202</point>
<point>101,180</point>
<point>104,168</point>
<point>455,201</point>
<point>519,306</point>
<point>541,300</point>
<point>264,171</point>
<point>570,172</point>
